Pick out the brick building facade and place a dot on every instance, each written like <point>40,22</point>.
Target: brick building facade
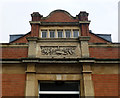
<point>61,58</point>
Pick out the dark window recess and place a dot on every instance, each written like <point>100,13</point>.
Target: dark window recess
<point>60,34</point>
<point>59,96</point>
<point>59,89</point>
<point>59,86</point>
<point>75,33</point>
<point>44,34</point>
<point>68,34</point>
<point>52,34</point>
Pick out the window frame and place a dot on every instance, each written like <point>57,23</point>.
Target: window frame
<point>42,33</point>
<point>58,32</point>
<point>50,33</point>
<point>66,31</point>
<point>77,33</point>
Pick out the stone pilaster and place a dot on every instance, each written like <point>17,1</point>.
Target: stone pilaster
<point>32,46</point>
<point>84,46</point>
<point>31,69</point>
<point>30,80</point>
<point>87,72</point>
<point>87,81</point>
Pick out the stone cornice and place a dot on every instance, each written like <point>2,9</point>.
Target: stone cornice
<point>58,40</point>
<point>84,22</point>
<point>32,38</point>
<point>54,23</point>
<point>84,38</point>
<point>59,23</point>
<point>51,60</point>
<point>14,46</point>
<point>34,22</point>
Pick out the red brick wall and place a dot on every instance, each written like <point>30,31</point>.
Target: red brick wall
<point>11,53</point>
<point>35,30</point>
<point>104,52</point>
<point>0,83</point>
<point>84,30</point>
<point>13,85</point>
<point>105,84</point>
<point>95,39</point>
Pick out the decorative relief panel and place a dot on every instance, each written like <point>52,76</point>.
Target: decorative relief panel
<point>58,50</point>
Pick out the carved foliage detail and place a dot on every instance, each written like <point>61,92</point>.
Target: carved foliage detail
<point>58,50</point>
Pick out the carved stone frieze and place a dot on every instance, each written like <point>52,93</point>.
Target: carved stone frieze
<point>58,50</point>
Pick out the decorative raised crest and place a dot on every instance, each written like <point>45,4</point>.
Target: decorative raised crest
<point>58,50</point>
<point>59,16</point>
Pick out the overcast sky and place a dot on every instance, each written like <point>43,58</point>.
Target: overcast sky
<point>15,15</point>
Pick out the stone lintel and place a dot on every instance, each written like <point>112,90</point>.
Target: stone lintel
<point>62,77</point>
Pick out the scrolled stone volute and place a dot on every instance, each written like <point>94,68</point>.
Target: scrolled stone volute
<point>83,16</point>
<point>36,16</point>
